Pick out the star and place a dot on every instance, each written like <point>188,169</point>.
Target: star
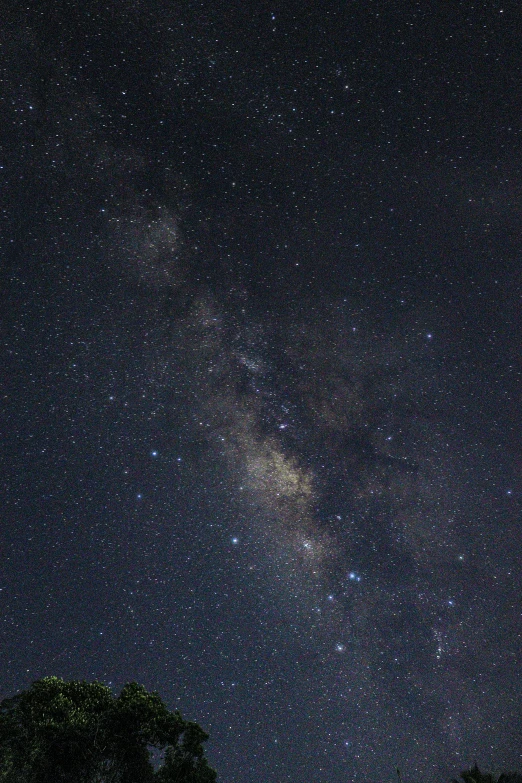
<point>257,311</point>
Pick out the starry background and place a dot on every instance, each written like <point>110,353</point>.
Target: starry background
<point>261,320</point>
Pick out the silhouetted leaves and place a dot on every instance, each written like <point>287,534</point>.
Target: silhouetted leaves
<point>474,775</point>
<point>79,732</point>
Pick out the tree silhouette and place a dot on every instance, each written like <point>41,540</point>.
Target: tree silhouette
<point>474,775</point>
<point>79,732</point>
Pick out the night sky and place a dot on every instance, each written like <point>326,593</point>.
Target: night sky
<point>261,367</point>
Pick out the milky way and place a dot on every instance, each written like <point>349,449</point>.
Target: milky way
<point>262,375</point>
<point>336,447</point>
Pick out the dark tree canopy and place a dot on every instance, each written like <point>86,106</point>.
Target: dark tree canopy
<point>79,732</point>
<point>474,775</point>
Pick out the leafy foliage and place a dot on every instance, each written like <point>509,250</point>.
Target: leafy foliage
<point>79,732</point>
<point>474,775</point>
